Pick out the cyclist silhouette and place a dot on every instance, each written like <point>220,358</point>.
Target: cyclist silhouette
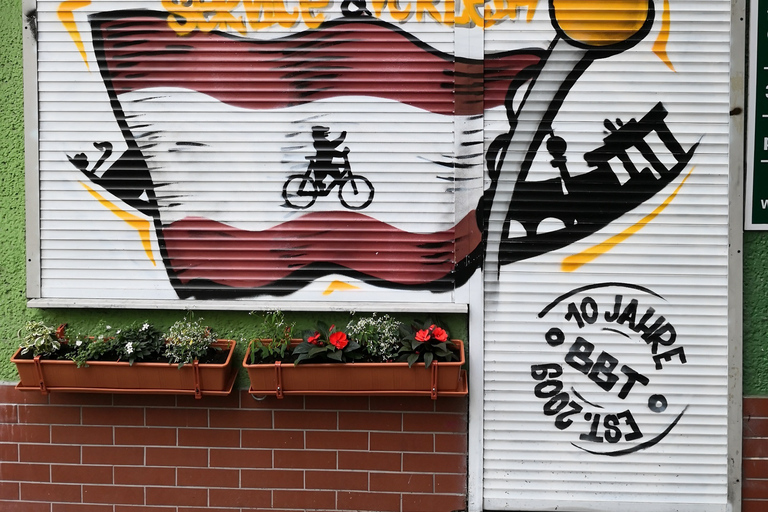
<point>302,190</point>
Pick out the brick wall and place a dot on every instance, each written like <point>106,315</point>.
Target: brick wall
<point>144,453</point>
<point>755,455</point>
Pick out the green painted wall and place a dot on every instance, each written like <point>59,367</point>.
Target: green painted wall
<point>13,309</point>
<point>755,313</point>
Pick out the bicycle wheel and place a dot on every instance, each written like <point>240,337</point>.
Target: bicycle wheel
<point>299,192</point>
<point>356,193</point>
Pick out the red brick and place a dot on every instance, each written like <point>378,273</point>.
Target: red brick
<point>80,399</point>
<point>272,439</point>
<point>9,490</point>
<point>433,503</point>
<point>50,492</point>
<point>79,507</point>
<point>240,419</point>
<point>235,458</point>
<point>25,472</point>
<point>180,457</point>
<point>368,501</point>
<point>399,482</point>
<point>145,475</point>
<point>755,468</point>
<point>24,506</point>
<point>305,459</point>
<point>113,455</point>
<point>271,479</point>
<point>113,494</point>
<point>10,395</point>
<point>209,437</point>
<point>48,415</point>
<point>453,404</point>
<point>434,423</point>
<point>145,436</point>
<point>209,509</point>
<point>8,413</point>
<point>332,403</point>
<point>304,499</point>
<point>451,484</point>
<point>401,442</point>
<point>240,498</point>
<point>205,477</point>
<point>209,402</point>
<point>144,400</point>
<point>755,407</point>
<point>755,427</point>
<point>434,463</point>
<point>754,506</point>
<point>145,508</point>
<point>81,435</point>
<point>402,403</point>
<point>177,496</point>
<point>113,416</point>
<point>337,480</point>
<point>22,433</point>
<point>336,440</point>
<point>370,461</point>
<point>755,489</point>
<point>177,417</point>
<point>451,443</point>
<point>272,402</point>
<point>9,452</point>
<point>81,474</point>
<point>306,420</point>
<point>49,453</point>
<point>755,447</point>
<point>371,421</point>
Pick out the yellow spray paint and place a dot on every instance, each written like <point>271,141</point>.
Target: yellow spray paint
<point>575,261</point>
<point>600,22</point>
<point>67,18</point>
<point>137,223</point>
<point>660,46</point>
<point>339,286</point>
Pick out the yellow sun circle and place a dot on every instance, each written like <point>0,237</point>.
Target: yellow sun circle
<point>600,23</point>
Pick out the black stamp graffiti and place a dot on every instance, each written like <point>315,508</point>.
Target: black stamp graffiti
<point>607,349</point>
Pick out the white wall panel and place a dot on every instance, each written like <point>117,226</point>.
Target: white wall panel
<point>564,427</point>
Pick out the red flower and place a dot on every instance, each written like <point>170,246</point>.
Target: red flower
<point>314,340</point>
<point>440,334</point>
<point>423,335</point>
<point>338,340</point>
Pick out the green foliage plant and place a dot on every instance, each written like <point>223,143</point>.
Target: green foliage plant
<point>426,342</point>
<point>188,340</point>
<point>273,336</point>
<point>139,343</point>
<point>379,335</point>
<point>327,345</point>
<point>40,339</point>
<point>89,348</point>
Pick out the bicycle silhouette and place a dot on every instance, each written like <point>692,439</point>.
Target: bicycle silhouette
<point>302,190</point>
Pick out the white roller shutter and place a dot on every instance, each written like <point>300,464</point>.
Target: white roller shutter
<point>606,331</point>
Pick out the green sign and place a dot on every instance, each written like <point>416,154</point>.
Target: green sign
<point>756,201</point>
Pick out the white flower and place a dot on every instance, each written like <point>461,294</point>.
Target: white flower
<point>78,343</point>
<point>118,331</point>
<point>129,347</point>
<point>108,327</point>
<point>145,327</point>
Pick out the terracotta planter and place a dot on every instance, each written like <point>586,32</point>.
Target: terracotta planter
<point>120,377</point>
<point>440,379</point>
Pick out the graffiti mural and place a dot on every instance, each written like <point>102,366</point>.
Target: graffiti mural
<point>264,146</point>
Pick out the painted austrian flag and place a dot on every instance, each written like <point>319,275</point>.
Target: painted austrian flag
<point>274,162</point>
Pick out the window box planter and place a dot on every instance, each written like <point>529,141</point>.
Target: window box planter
<point>279,379</point>
<point>195,379</point>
